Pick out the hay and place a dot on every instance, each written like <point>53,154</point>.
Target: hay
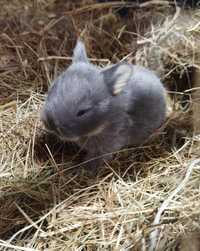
<point>47,202</point>
<point>172,44</point>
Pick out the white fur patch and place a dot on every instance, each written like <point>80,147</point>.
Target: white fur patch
<point>97,131</point>
<point>72,139</point>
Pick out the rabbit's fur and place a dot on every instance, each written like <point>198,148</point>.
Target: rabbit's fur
<point>104,109</point>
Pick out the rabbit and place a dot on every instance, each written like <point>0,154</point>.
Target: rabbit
<point>104,109</point>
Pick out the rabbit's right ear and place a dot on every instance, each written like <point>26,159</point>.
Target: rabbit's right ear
<point>117,76</point>
<point>79,53</point>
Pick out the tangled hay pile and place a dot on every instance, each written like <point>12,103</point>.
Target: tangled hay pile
<point>147,197</point>
<point>172,43</point>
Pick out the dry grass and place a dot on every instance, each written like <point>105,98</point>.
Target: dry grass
<point>172,44</point>
<point>146,197</point>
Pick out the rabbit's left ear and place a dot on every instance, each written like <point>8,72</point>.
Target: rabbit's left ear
<point>117,76</point>
<point>79,53</point>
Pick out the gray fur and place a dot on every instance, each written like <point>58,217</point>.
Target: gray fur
<point>112,119</point>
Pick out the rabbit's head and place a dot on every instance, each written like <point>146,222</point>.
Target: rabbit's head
<point>81,100</point>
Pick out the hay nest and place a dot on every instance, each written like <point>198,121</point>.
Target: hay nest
<point>147,196</point>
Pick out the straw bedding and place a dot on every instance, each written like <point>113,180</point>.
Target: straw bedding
<point>148,197</point>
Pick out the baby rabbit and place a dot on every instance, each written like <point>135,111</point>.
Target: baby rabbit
<point>104,109</point>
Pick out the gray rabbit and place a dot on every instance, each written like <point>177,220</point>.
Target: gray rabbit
<point>104,109</point>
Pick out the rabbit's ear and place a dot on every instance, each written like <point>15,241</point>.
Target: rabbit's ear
<point>79,53</point>
<point>117,76</point>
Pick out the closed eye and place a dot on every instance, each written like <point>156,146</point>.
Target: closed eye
<point>82,112</point>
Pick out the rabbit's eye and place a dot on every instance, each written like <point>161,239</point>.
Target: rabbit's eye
<point>82,112</point>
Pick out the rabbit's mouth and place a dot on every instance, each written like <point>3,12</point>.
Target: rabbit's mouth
<point>98,130</point>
